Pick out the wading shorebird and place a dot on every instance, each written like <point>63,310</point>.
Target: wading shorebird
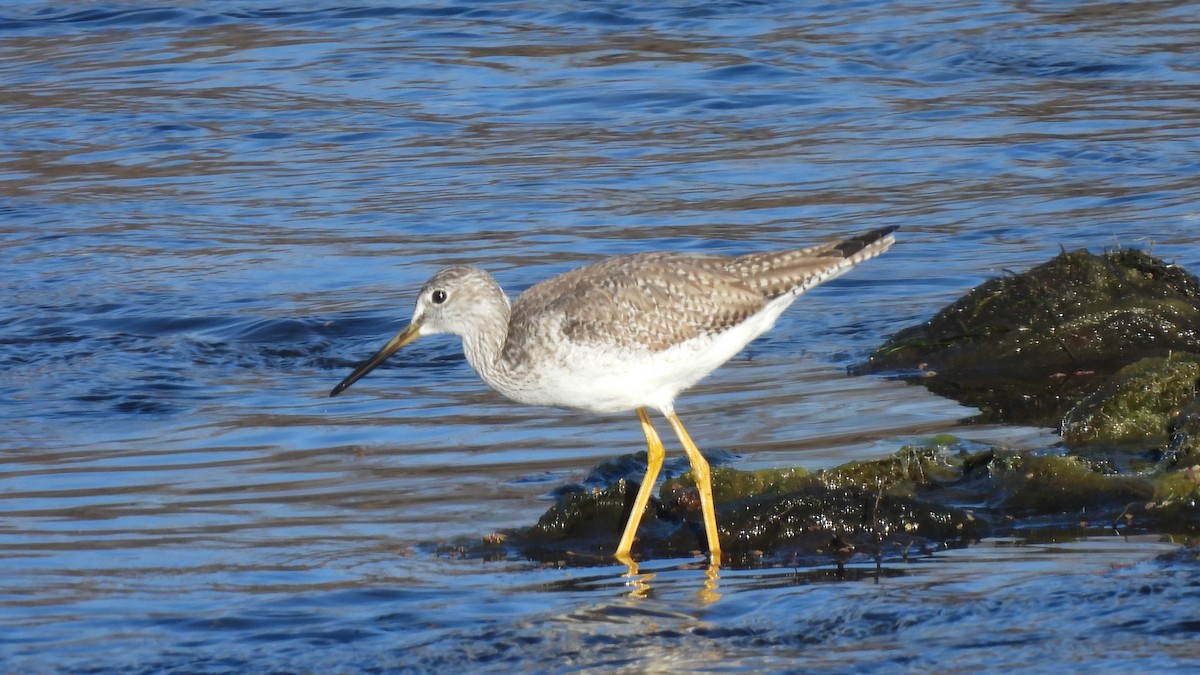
<point>626,333</point>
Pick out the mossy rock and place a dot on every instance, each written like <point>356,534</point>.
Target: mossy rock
<point>822,522</point>
<point>911,471</point>
<point>1140,406</point>
<point>1025,348</point>
<point>942,492</point>
<point>764,514</point>
<point>1026,485</point>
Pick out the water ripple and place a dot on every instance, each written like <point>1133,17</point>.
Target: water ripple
<point>210,213</point>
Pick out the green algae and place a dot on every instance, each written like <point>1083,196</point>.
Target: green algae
<point>1137,405</point>
<point>1038,485</point>
<point>1178,485</point>
<point>912,469</point>
<point>731,484</point>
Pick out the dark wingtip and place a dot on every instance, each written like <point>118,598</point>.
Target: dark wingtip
<point>849,247</point>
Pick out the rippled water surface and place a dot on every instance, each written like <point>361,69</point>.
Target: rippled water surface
<point>209,212</point>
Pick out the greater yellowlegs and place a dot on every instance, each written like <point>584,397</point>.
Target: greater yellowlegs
<point>626,333</point>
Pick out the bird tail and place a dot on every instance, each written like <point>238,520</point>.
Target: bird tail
<point>797,270</point>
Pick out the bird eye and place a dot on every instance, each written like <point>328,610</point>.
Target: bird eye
<point>438,297</point>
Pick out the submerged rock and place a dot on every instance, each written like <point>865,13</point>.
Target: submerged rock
<point>945,492</point>
<point>1025,348</point>
<point>763,515</point>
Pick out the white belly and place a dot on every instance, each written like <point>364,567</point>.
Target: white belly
<point>592,378</point>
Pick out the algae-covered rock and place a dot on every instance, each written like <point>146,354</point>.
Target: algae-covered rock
<point>1025,347</point>
<point>1140,405</point>
<point>731,484</point>
<point>1024,485</point>
<point>944,491</point>
<point>907,473</point>
<point>765,514</point>
<point>818,520</point>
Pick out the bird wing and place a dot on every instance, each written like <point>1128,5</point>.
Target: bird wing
<point>638,302</point>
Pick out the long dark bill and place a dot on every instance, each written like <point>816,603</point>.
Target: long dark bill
<point>410,333</point>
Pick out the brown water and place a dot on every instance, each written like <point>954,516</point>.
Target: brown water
<point>209,213</point>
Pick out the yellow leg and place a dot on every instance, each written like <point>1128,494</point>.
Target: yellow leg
<point>704,485</point>
<point>654,461</point>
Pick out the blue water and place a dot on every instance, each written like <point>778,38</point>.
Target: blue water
<point>210,212</point>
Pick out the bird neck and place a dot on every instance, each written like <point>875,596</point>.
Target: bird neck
<point>484,342</point>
